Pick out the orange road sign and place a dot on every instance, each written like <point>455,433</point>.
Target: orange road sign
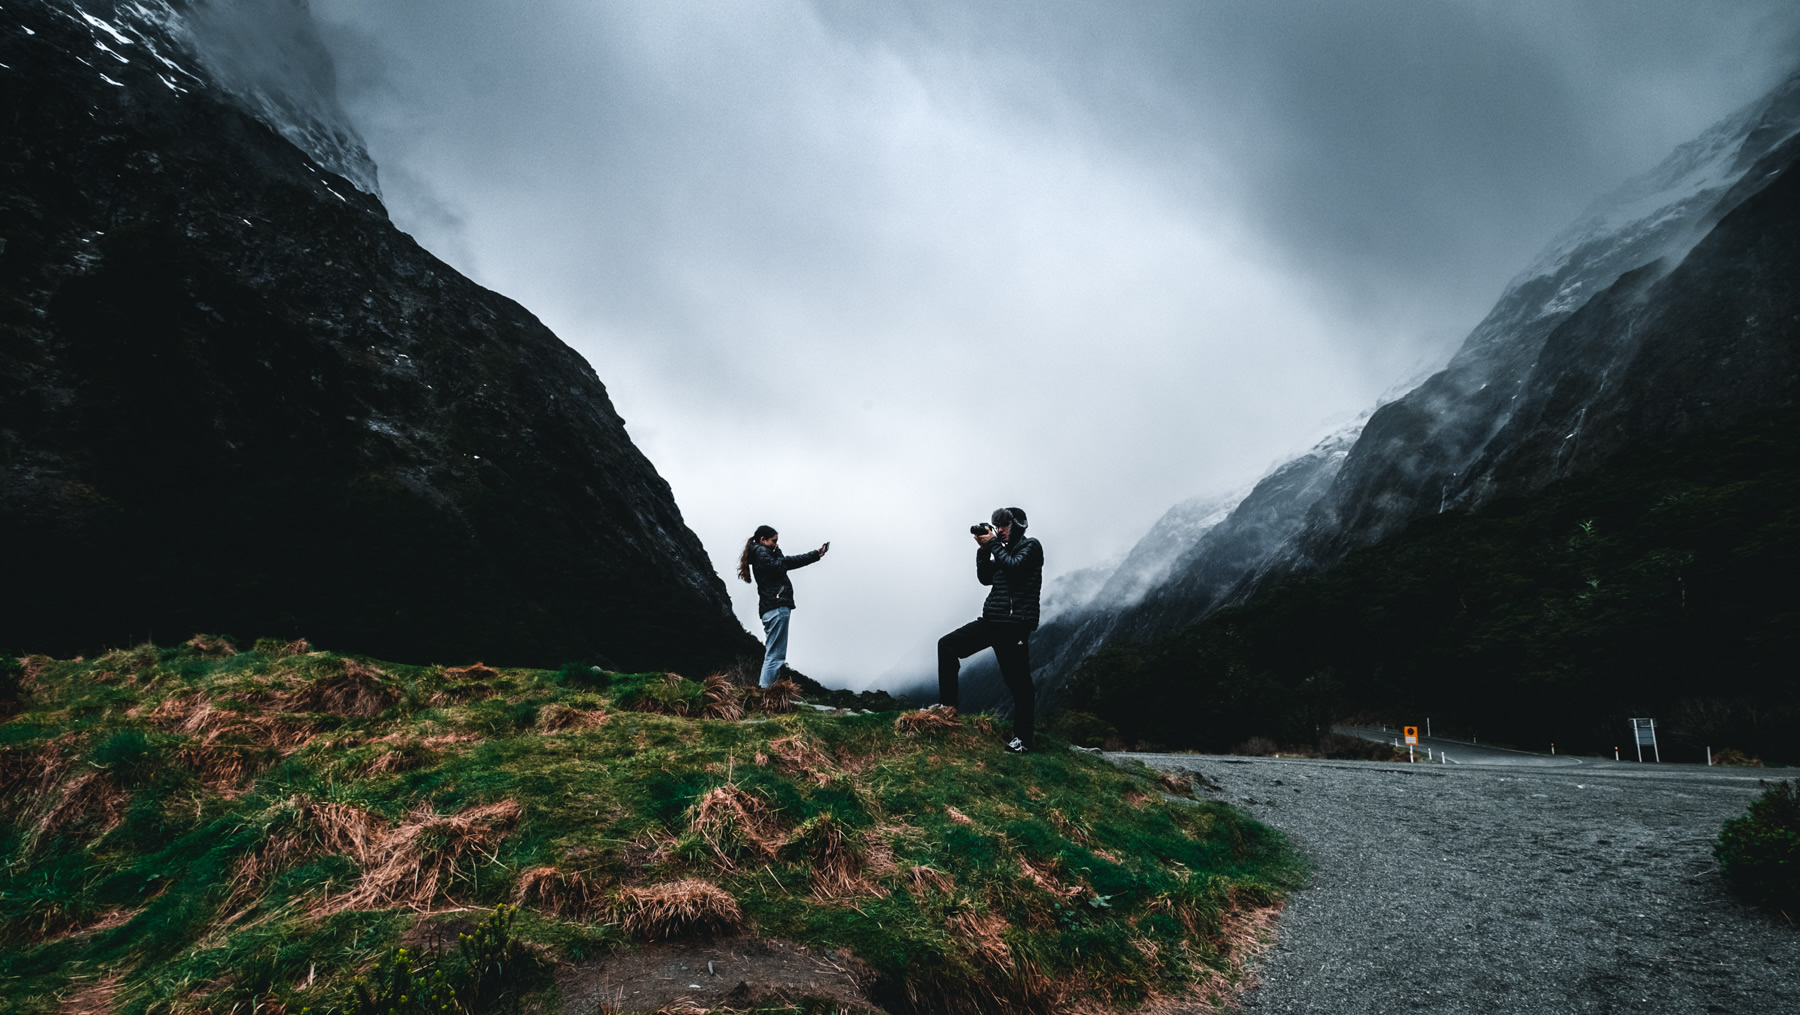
<point>1412,734</point>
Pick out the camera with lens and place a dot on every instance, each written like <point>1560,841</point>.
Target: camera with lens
<point>979,527</point>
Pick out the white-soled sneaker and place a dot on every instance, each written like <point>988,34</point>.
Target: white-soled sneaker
<point>1016,746</point>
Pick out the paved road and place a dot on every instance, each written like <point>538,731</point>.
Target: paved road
<point>1584,887</point>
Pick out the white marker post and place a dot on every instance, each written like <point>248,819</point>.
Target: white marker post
<point>1412,740</point>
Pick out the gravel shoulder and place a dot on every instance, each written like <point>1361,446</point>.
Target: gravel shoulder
<point>1584,886</point>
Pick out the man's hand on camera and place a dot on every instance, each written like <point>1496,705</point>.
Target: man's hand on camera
<point>983,537</point>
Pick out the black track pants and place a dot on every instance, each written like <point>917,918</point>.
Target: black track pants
<point>1010,643</point>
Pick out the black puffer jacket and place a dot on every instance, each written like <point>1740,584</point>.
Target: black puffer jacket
<point>1016,572</point>
<point>770,568</point>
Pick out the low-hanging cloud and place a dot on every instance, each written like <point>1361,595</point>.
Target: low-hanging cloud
<point>864,272</point>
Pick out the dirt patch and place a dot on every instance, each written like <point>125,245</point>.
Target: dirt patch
<point>744,972</point>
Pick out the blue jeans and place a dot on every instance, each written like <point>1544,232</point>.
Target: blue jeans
<point>775,627</point>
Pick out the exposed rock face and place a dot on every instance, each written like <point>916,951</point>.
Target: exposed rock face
<point>234,397</point>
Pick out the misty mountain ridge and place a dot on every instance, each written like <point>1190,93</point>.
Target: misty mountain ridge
<point>1492,423</point>
<point>233,396</point>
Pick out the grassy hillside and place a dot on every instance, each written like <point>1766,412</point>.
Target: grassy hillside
<point>1662,586</point>
<point>199,828</point>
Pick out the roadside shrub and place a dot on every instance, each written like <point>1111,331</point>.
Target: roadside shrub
<point>1759,853</point>
<point>1347,748</point>
<point>1084,729</point>
<point>1735,758</point>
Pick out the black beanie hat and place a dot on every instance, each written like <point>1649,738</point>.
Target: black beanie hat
<point>1018,516</point>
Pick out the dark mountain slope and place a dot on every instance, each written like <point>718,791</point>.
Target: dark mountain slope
<point>1640,566</point>
<point>234,397</point>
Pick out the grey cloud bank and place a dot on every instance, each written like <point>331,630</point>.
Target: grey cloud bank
<point>864,272</point>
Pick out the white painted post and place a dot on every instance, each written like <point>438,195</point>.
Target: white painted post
<point>1708,755</point>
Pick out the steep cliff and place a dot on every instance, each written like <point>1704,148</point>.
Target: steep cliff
<point>234,397</point>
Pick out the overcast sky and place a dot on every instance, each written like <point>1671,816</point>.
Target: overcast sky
<point>865,271</point>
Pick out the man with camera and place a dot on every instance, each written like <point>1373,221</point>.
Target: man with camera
<point>1012,563</point>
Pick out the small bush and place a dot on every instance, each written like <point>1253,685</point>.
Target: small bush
<point>1259,747</point>
<point>1735,758</point>
<point>488,967</point>
<point>583,677</point>
<point>128,753</point>
<point>1759,853</point>
<point>1084,729</point>
<point>1346,748</point>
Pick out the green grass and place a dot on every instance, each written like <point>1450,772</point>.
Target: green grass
<point>181,823</point>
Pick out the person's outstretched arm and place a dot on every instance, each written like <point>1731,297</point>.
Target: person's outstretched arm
<point>803,559</point>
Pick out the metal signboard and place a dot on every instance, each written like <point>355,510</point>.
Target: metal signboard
<point>1412,734</point>
<point>1643,732</point>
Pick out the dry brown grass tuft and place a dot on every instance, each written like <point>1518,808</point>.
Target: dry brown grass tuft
<point>839,863</point>
<point>723,699</point>
<point>925,719</point>
<point>730,819</point>
<point>680,909</point>
<point>798,755</point>
<point>779,698</point>
<point>212,646</point>
<point>982,937</point>
<point>1048,883</point>
<point>557,717</point>
<point>923,880</point>
<point>559,893</point>
<point>1178,783</point>
<point>28,776</point>
<point>415,861</point>
<point>224,768</point>
<point>314,828</point>
<point>297,647</point>
<point>33,668</point>
<point>958,816</point>
<point>90,799</point>
<point>1064,824</point>
<point>403,752</point>
<point>196,715</point>
<point>360,690</point>
<point>479,671</point>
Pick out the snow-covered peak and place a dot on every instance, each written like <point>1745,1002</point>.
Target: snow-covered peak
<point>268,54</point>
<point>263,54</point>
<point>1658,214</point>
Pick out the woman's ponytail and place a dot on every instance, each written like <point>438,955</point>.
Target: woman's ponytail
<point>762,532</point>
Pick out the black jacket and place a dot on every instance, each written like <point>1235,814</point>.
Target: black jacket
<point>770,568</point>
<point>1016,572</point>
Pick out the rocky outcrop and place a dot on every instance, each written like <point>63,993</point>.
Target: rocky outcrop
<point>234,397</point>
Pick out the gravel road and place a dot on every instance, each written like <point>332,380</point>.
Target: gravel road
<point>1507,885</point>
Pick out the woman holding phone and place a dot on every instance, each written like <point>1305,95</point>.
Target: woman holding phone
<point>774,592</point>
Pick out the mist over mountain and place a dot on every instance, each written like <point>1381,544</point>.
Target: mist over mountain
<point>235,398</point>
<point>1662,312</point>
